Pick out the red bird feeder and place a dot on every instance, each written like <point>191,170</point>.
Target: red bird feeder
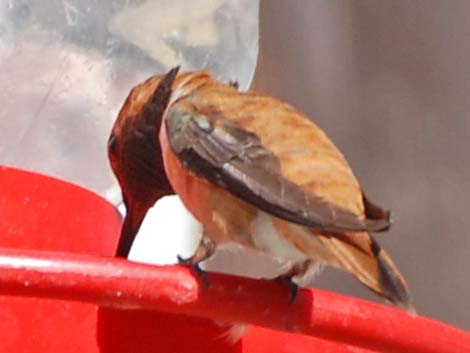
<point>63,292</point>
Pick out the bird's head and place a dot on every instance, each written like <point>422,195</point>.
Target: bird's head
<point>134,150</point>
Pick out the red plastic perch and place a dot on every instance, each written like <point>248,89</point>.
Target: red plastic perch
<point>175,289</point>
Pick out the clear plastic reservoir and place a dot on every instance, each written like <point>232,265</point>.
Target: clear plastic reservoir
<point>66,67</point>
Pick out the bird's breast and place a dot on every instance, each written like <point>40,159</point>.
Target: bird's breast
<point>268,239</point>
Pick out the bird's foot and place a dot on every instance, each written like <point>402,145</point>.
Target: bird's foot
<point>296,270</point>
<point>293,287</point>
<point>190,262</point>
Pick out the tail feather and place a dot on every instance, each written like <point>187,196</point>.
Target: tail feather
<point>371,265</point>
<point>357,253</point>
<point>393,284</point>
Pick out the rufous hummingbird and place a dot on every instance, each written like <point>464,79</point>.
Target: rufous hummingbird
<point>255,172</point>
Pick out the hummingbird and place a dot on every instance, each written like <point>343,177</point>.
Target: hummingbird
<point>255,172</point>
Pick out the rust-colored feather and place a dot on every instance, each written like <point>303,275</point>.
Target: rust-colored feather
<point>218,144</point>
<point>307,158</point>
<point>135,154</point>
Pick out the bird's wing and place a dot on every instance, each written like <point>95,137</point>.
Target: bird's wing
<point>230,156</point>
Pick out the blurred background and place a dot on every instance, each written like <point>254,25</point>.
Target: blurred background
<point>389,81</point>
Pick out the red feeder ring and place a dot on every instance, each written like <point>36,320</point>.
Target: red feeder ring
<point>59,298</point>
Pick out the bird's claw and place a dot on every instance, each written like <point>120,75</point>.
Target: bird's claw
<point>189,262</point>
<point>291,285</point>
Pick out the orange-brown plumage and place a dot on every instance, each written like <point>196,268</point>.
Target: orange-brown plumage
<point>221,146</point>
<point>136,158</point>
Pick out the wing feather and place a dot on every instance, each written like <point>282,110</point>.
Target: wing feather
<point>234,158</point>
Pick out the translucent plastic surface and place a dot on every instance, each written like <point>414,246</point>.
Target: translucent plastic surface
<point>67,66</point>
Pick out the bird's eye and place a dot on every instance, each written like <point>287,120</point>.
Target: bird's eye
<point>112,143</point>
